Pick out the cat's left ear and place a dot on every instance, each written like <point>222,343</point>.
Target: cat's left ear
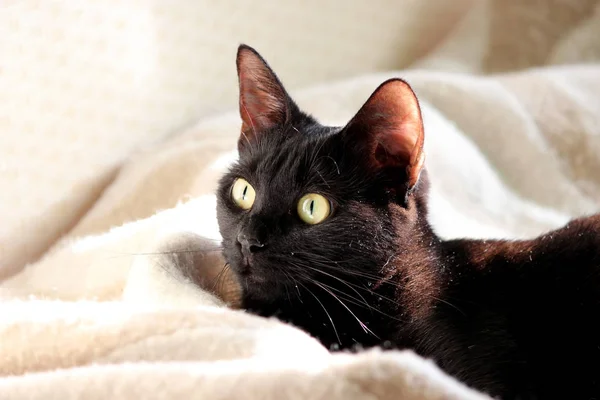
<point>264,103</point>
<point>389,128</point>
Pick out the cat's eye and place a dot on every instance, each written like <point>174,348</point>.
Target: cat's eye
<point>243,194</point>
<point>313,208</point>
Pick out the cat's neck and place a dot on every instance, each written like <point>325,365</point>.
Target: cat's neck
<point>433,274</point>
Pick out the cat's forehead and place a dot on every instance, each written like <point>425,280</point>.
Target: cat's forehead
<point>291,160</point>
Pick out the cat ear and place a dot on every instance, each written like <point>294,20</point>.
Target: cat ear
<point>264,103</point>
<point>390,128</point>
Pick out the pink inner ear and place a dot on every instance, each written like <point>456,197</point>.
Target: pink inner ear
<point>400,142</point>
<point>390,124</point>
<point>399,126</point>
<point>262,99</point>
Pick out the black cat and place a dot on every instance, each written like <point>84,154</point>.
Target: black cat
<point>327,229</point>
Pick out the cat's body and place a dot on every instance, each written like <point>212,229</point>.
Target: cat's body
<point>515,319</point>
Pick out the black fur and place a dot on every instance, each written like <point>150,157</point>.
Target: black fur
<point>515,319</point>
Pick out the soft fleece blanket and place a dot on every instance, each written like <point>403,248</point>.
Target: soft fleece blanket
<point>116,309</point>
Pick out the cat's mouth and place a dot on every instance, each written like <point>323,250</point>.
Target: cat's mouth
<point>245,265</point>
<point>255,279</point>
<point>247,268</point>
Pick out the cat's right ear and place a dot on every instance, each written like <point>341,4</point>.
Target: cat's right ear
<point>264,103</point>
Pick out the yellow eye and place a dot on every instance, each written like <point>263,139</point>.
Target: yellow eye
<point>243,194</point>
<point>313,208</point>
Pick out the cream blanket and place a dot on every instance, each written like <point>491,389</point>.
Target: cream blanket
<point>112,310</point>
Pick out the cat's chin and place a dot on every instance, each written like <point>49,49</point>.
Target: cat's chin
<point>254,283</point>
<point>259,298</point>
<point>257,287</point>
<point>256,280</point>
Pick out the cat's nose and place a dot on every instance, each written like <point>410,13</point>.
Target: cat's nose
<point>250,244</point>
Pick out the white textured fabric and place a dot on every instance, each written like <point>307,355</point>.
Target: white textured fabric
<point>107,313</point>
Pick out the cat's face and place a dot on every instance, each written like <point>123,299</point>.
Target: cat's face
<point>307,203</point>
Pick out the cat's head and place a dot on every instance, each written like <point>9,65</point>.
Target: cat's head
<point>307,202</point>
